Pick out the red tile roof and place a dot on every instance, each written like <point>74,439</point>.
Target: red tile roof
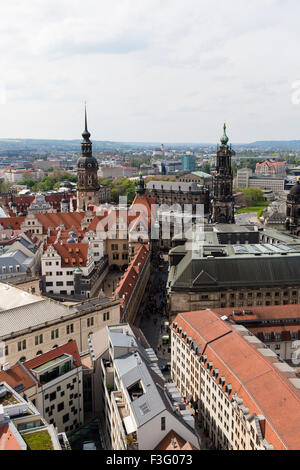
<point>172,441</point>
<point>13,223</point>
<point>270,164</point>
<point>261,313</point>
<point>129,279</point>
<point>8,440</point>
<point>264,389</point>
<point>67,348</point>
<point>15,376</point>
<point>68,219</point>
<point>72,254</point>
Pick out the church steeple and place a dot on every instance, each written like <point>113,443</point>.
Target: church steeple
<point>223,204</point>
<point>86,144</point>
<point>86,135</point>
<point>87,167</point>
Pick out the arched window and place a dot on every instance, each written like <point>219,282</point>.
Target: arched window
<point>39,353</point>
<point>22,359</point>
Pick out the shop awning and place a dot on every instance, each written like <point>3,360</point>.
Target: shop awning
<point>166,337</point>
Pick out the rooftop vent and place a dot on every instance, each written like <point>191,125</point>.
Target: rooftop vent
<point>222,381</point>
<point>247,312</point>
<point>237,312</point>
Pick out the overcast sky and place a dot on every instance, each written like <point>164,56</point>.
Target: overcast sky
<point>150,70</point>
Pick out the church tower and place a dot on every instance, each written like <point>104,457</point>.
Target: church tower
<point>87,177</point>
<point>293,210</point>
<point>223,203</point>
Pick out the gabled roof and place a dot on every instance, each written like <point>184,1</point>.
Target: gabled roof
<point>53,220</point>
<point>172,441</point>
<point>72,254</point>
<point>13,223</point>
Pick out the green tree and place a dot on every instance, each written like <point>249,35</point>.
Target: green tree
<point>206,168</point>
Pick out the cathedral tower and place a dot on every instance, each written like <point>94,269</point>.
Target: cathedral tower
<point>87,174</point>
<point>223,203</point>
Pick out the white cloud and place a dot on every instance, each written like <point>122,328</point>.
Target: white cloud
<point>162,70</point>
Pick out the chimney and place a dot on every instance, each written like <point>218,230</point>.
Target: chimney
<point>262,425</point>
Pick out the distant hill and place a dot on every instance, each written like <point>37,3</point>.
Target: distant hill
<point>46,145</point>
<point>275,144</point>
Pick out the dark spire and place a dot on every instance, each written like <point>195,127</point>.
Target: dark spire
<point>86,135</point>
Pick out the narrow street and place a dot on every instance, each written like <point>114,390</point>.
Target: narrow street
<point>153,319</point>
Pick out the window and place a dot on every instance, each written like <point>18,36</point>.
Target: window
<point>115,256</point>
<point>22,345</point>
<point>38,340</point>
<point>66,418</point>
<point>70,328</point>
<point>54,334</point>
<point>163,424</point>
<point>90,322</point>
<point>59,283</point>
<point>60,406</point>
<point>106,316</point>
<point>52,396</point>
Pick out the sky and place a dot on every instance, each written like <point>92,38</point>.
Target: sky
<point>150,70</point>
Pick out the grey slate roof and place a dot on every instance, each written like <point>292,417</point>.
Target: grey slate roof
<point>227,272</point>
<point>131,372</point>
<point>30,315</point>
<point>15,258</point>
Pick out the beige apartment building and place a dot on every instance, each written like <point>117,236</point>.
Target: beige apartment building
<point>31,325</point>
<point>59,390</point>
<point>236,384</point>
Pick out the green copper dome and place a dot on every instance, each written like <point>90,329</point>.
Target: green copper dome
<point>224,138</point>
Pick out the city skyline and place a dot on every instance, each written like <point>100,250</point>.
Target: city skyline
<point>151,71</point>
